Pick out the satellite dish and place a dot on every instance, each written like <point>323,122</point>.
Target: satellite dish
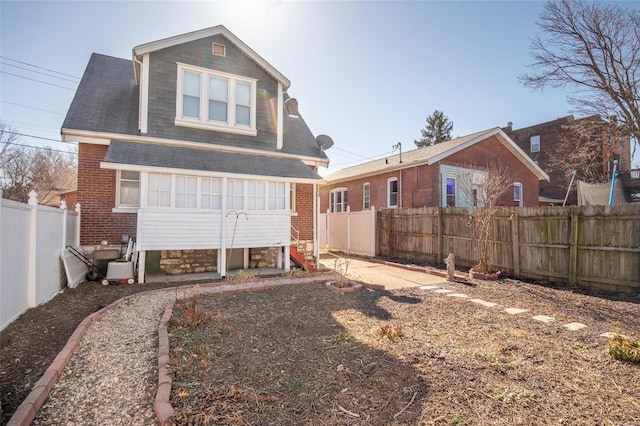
<point>324,141</point>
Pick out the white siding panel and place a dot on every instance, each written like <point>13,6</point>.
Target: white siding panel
<point>49,241</point>
<point>177,230</point>
<point>14,260</point>
<point>259,230</point>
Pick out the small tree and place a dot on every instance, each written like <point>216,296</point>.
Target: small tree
<point>485,188</point>
<point>438,129</point>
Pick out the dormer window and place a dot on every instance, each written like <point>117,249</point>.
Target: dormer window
<point>214,100</point>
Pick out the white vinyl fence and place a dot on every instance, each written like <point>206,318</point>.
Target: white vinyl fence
<point>352,232</point>
<point>31,240</point>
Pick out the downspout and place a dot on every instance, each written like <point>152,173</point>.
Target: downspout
<point>316,250</point>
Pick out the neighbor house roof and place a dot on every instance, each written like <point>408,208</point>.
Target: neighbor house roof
<point>208,32</point>
<point>136,154</point>
<point>431,155</point>
<point>107,102</point>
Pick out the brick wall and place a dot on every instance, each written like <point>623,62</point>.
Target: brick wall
<point>303,222</point>
<point>421,185</point>
<point>96,195</point>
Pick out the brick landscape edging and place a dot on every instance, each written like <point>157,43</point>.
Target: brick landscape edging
<point>26,412</point>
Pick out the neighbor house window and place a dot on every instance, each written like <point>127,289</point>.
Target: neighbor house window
<point>366,196</point>
<point>534,142</point>
<point>215,100</point>
<point>338,200</point>
<point>392,192</point>
<point>128,189</point>
<point>517,193</point>
<point>451,191</point>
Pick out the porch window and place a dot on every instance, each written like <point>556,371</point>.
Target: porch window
<point>256,195</point>
<point>210,193</point>
<point>451,191</point>
<point>277,196</point>
<point>235,194</point>
<point>186,192</point>
<point>366,196</point>
<point>128,189</point>
<point>159,193</point>
<point>338,200</point>
<point>392,192</point>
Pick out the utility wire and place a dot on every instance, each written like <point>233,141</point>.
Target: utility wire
<point>39,81</point>
<point>25,125</point>
<point>39,72</point>
<point>48,148</point>
<point>38,137</point>
<point>374,157</point>
<point>30,107</point>
<point>36,66</point>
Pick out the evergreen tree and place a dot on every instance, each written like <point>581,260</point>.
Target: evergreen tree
<point>438,129</point>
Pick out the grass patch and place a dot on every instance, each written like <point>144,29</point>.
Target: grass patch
<point>624,348</point>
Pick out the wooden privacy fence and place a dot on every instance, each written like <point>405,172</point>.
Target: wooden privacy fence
<point>593,246</point>
<point>31,240</point>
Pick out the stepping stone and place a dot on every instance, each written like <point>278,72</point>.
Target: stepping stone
<point>515,311</point>
<point>428,287</point>
<point>574,326</point>
<point>543,318</point>
<point>460,295</point>
<point>611,335</point>
<point>443,291</point>
<point>483,303</point>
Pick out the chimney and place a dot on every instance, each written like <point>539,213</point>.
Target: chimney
<point>291,106</point>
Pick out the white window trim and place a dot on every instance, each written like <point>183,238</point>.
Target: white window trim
<point>126,209</point>
<point>392,179</point>
<point>343,204</point>
<point>368,185</point>
<point>519,201</point>
<point>531,143</point>
<point>203,122</point>
<point>292,199</point>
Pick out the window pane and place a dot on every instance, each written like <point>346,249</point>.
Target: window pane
<point>243,94</point>
<point>180,200</point>
<point>129,175</point>
<point>218,89</point>
<point>130,193</point>
<point>393,199</point>
<point>451,192</point>
<point>191,107</point>
<point>191,95</point>
<point>217,111</point>
<point>243,115</point>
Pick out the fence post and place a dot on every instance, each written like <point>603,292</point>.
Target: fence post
<point>440,240</point>
<point>78,210</point>
<point>373,231</point>
<point>515,243</point>
<point>33,226</point>
<point>573,248</point>
<point>63,206</point>
<point>348,229</point>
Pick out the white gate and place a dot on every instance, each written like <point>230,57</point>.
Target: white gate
<point>351,232</point>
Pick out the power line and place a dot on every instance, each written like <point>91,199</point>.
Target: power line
<point>39,81</point>
<point>25,125</point>
<point>37,137</point>
<point>42,68</point>
<point>30,107</point>
<point>363,159</point>
<point>39,72</point>
<point>48,148</point>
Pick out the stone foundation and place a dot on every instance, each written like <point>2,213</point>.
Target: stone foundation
<point>174,262</point>
<point>264,257</point>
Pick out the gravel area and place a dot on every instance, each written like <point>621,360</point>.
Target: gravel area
<point>111,378</point>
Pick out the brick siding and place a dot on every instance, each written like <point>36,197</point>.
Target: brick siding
<point>96,195</point>
<point>303,222</point>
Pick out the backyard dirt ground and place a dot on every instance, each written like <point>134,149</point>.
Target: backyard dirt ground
<point>308,356</point>
<point>303,354</point>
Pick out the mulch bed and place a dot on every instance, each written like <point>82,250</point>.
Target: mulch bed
<point>305,355</point>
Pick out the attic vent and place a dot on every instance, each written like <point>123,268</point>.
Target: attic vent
<point>291,105</point>
<point>219,49</point>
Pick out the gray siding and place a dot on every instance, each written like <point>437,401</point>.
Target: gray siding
<point>162,93</point>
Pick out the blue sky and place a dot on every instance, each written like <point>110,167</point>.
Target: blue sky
<point>365,73</point>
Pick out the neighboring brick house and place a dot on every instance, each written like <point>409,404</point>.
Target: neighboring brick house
<point>542,143</point>
<point>195,149</point>
<point>434,176</point>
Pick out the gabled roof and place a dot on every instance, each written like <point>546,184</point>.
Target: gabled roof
<point>106,102</point>
<point>432,154</point>
<point>208,32</point>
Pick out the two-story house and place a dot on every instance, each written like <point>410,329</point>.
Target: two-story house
<point>447,174</point>
<point>195,149</point>
<point>587,145</point>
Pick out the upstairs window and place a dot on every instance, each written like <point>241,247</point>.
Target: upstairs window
<point>534,143</point>
<point>214,100</point>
